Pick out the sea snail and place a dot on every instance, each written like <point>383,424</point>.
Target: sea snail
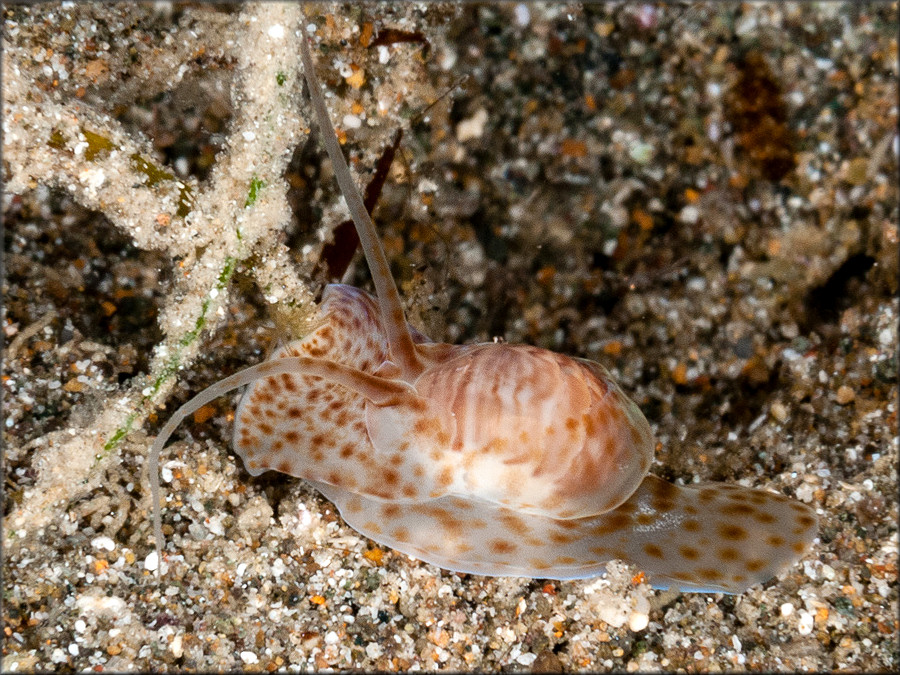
<point>491,459</point>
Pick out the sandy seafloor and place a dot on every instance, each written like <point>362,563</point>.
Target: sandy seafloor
<point>601,183</point>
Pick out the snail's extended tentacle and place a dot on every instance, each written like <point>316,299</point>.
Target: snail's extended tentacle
<point>403,349</point>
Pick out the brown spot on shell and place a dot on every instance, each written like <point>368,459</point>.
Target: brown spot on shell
<point>590,427</point>
<point>664,496</point>
<point>427,425</point>
<point>688,552</point>
<point>513,523</point>
<point>805,521</point>
<point>501,546</point>
<point>294,412</point>
<point>610,447</point>
<point>707,494</point>
<point>533,542</point>
<point>445,477</point>
<point>737,509</point>
<point>664,489</point>
<point>755,565</point>
<point>376,528</point>
<point>709,574</point>
<point>316,351</point>
<point>390,511</point>
<point>461,504</point>
<point>775,540</point>
<point>653,551</point>
<point>284,467</point>
<point>401,534</point>
<point>614,523</point>
<point>562,538</point>
<point>454,526</point>
<point>564,560</point>
<point>732,532</point>
<point>636,438</point>
<point>627,507</point>
<point>346,451</point>
<point>568,524</point>
<point>729,554</point>
<point>764,517</point>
